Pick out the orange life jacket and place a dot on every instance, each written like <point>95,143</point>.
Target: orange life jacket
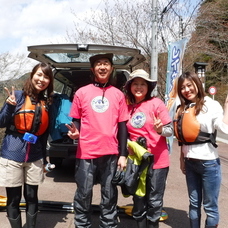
<point>32,118</point>
<point>187,128</point>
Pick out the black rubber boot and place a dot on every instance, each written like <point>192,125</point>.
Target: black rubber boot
<point>152,224</point>
<point>142,223</point>
<point>31,220</point>
<point>15,223</point>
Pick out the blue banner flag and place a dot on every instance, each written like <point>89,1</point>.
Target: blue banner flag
<point>174,69</point>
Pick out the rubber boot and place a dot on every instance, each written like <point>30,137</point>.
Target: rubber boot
<point>142,223</point>
<point>152,224</point>
<point>31,220</point>
<point>15,223</point>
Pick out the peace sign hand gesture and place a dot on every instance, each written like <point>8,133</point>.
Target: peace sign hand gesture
<point>158,125</point>
<point>73,132</point>
<point>11,96</point>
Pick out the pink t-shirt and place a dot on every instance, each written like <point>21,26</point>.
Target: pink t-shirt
<point>99,119</point>
<point>141,124</point>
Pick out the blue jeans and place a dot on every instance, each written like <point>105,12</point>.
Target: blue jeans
<point>203,181</point>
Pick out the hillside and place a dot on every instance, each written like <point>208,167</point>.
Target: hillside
<point>18,83</point>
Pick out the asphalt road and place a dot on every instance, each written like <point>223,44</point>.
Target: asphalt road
<point>222,137</point>
<point>59,185</point>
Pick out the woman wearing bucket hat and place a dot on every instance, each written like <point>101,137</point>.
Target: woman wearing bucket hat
<point>149,118</point>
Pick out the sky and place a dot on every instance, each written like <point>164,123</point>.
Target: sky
<point>33,22</point>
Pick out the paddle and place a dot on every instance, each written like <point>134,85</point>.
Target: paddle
<point>56,206</point>
<point>62,206</point>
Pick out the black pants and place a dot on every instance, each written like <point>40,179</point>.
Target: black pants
<point>151,204</point>
<point>87,173</point>
<point>14,197</point>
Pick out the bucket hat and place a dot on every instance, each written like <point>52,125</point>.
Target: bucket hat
<point>94,58</point>
<point>139,73</point>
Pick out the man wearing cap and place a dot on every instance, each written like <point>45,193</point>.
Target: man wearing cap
<point>100,114</point>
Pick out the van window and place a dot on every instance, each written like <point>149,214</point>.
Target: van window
<point>58,86</point>
<point>68,91</point>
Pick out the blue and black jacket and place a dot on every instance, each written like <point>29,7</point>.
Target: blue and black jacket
<point>14,147</point>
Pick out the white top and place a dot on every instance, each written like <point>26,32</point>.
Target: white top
<point>210,119</point>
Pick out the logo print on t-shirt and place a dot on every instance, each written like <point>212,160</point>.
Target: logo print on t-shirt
<point>98,105</point>
<point>138,120</point>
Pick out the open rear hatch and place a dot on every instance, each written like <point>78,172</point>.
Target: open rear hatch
<point>77,55</point>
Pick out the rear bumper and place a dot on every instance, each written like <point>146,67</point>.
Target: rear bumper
<point>60,150</point>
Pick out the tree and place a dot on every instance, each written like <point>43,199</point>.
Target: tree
<point>128,23</point>
<point>213,28</point>
<point>12,69</point>
<point>12,65</point>
<point>209,43</point>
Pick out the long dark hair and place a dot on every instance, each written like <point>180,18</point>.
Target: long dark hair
<point>200,95</point>
<point>29,88</point>
<point>131,97</point>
